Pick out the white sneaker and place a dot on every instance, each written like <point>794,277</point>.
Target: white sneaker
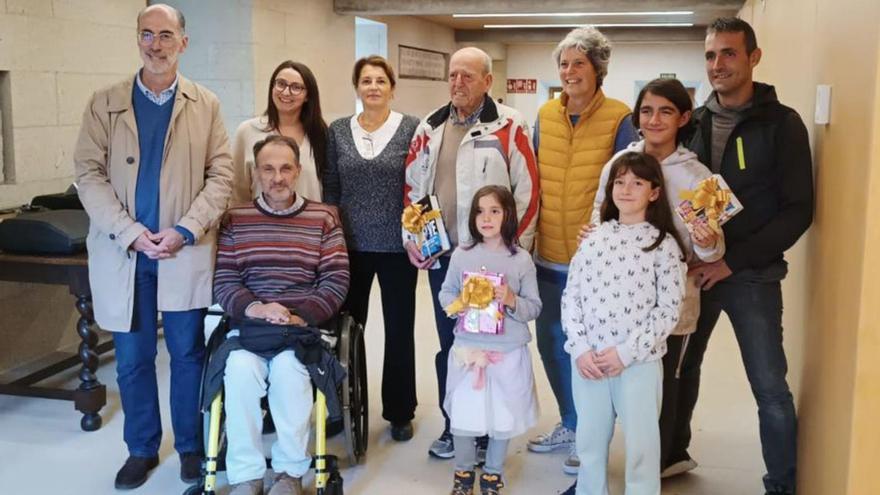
<point>547,442</point>
<point>572,464</point>
<point>679,467</point>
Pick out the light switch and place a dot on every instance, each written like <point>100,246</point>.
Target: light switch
<point>823,104</point>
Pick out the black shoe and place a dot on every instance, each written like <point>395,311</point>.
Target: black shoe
<point>402,432</point>
<point>190,468</point>
<point>334,428</point>
<point>134,472</point>
<point>571,490</point>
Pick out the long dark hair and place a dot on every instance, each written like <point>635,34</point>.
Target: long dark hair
<point>658,213</point>
<point>310,115</point>
<point>674,91</point>
<point>508,225</point>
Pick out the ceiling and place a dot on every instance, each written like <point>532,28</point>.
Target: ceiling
<point>612,17</point>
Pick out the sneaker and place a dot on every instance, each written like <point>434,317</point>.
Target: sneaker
<point>190,468</point>
<point>490,484</point>
<point>252,487</point>
<point>679,467</point>
<point>443,447</point>
<point>572,464</point>
<point>286,484</point>
<point>482,444</point>
<point>547,442</point>
<point>134,472</point>
<point>463,483</point>
<point>571,490</point>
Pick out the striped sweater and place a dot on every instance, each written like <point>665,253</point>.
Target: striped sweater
<point>298,260</point>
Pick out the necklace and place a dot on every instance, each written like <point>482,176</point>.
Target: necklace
<point>370,127</point>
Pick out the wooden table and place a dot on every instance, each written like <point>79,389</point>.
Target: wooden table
<point>91,395</point>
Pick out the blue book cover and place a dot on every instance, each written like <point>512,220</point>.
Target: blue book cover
<point>434,241</point>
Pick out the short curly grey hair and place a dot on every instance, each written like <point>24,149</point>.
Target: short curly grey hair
<point>593,44</point>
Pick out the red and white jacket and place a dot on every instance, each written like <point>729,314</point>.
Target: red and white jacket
<point>496,151</point>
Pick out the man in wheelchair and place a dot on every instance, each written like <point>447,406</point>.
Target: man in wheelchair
<point>281,261</point>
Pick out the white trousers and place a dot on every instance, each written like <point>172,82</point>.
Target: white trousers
<point>247,379</point>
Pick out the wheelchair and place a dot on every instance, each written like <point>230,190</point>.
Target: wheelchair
<point>345,338</point>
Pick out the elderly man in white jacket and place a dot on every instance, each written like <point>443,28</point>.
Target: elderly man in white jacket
<point>466,144</point>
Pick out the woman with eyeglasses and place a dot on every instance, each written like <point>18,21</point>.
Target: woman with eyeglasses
<point>364,177</point>
<point>293,110</point>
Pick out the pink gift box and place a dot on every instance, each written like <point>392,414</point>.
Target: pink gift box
<point>489,320</point>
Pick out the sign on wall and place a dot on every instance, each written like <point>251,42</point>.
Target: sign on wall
<point>522,86</point>
<point>418,63</point>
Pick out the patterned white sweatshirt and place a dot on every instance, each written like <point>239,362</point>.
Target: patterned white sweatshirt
<point>619,295</point>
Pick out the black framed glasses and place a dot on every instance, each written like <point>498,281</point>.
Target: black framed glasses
<point>296,89</point>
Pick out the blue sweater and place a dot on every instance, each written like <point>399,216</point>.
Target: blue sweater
<point>152,125</point>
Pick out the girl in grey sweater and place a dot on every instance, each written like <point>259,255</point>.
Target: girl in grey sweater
<point>490,387</point>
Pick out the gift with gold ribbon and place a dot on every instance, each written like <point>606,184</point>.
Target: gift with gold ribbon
<point>424,220</point>
<point>711,202</point>
<point>477,309</point>
<point>476,293</point>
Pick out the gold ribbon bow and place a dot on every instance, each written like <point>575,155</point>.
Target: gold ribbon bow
<point>710,198</point>
<point>414,220</point>
<point>477,293</point>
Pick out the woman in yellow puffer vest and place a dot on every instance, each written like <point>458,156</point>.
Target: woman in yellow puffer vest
<point>574,136</point>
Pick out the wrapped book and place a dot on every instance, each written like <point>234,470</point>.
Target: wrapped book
<point>711,203</point>
<point>477,309</point>
<point>423,219</point>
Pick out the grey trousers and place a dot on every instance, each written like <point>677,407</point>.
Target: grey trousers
<point>466,454</point>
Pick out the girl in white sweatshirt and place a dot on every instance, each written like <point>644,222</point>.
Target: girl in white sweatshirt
<point>662,115</point>
<point>624,292</point>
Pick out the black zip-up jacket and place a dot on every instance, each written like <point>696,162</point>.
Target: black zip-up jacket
<point>774,181</point>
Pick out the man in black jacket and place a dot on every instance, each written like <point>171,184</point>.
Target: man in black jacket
<point>761,149</point>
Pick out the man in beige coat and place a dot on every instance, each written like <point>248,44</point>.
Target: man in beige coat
<point>154,174</point>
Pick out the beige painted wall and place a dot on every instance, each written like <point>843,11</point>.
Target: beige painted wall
<point>865,449</point>
<point>810,42</point>
<point>414,96</point>
<point>50,48</point>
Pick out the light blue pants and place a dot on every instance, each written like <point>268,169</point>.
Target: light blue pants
<point>634,396</point>
<point>247,379</point>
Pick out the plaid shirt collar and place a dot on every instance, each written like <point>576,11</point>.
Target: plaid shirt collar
<point>162,97</point>
<point>468,121</point>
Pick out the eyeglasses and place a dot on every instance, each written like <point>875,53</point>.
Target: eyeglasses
<point>296,89</point>
<point>166,38</point>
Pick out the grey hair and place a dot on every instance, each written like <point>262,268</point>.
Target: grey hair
<point>591,43</point>
<point>487,60</point>
<point>181,20</point>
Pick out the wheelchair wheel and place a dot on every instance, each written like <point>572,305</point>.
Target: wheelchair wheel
<point>352,356</point>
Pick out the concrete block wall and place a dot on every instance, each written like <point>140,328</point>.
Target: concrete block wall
<point>56,53</point>
<point>220,53</point>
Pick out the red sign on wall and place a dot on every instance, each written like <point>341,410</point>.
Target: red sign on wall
<point>522,85</point>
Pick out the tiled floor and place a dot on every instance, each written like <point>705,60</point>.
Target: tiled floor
<point>43,451</point>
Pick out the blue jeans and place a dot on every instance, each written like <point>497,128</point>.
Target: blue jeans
<point>136,369</point>
<point>551,339</point>
<point>755,310</point>
<point>445,332</point>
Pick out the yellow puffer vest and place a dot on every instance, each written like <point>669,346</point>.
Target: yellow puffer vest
<point>570,160</point>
